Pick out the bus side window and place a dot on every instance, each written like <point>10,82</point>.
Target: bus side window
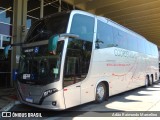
<point>104,35</point>
<point>72,65</point>
<point>83,26</point>
<point>148,49</point>
<point>132,43</point>
<point>120,38</point>
<point>77,61</point>
<point>141,43</point>
<point>156,53</point>
<point>153,50</point>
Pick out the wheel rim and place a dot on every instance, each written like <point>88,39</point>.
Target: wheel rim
<point>146,82</point>
<point>151,80</point>
<point>100,92</point>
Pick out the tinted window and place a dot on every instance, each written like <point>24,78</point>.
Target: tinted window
<point>83,26</point>
<point>77,61</point>
<point>45,28</point>
<point>141,45</point>
<point>104,35</point>
<point>148,49</point>
<point>120,38</point>
<point>153,50</point>
<point>43,67</point>
<point>132,42</point>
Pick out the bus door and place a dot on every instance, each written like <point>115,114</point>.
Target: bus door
<point>75,71</point>
<point>72,82</point>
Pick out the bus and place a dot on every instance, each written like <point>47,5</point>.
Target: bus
<point>72,58</point>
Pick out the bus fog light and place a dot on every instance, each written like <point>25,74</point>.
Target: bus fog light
<point>49,92</point>
<point>54,103</point>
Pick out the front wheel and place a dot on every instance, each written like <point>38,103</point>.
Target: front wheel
<point>101,93</point>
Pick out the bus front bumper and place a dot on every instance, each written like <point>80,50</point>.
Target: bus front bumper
<point>47,103</point>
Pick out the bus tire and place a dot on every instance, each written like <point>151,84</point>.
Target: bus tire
<point>101,93</point>
<point>147,81</point>
<point>150,80</point>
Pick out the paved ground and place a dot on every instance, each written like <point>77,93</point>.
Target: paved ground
<point>7,96</point>
<point>129,103</point>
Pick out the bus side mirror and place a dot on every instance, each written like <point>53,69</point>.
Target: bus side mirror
<point>6,50</point>
<point>52,44</point>
<point>53,40</point>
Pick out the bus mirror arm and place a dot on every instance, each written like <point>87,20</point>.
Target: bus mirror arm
<point>53,40</point>
<point>69,35</point>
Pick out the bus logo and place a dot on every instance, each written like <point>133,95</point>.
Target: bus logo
<point>36,49</point>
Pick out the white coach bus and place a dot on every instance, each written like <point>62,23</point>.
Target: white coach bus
<point>76,57</point>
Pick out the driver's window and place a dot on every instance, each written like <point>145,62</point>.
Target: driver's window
<point>72,72</point>
<point>77,61</point>
<point>72,65</point>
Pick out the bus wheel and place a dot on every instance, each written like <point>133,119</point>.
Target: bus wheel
<point>147,82</point>
<point>151,81</point>
<point>101,93</point>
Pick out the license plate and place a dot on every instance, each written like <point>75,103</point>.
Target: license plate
<point>26,76</point>
<point>29,100</point>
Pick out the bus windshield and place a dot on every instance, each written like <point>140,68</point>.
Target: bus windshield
<point>44,28</point>
<point>37,66</point>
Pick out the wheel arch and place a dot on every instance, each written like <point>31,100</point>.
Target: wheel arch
<point>106,84</point>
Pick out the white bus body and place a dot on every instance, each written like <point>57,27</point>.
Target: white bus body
<point>123,61</point>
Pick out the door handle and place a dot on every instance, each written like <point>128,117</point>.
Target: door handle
<point>78,86</point>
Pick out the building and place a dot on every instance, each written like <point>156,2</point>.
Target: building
<point>16,17</point>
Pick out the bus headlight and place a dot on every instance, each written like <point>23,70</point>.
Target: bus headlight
<point>49,92</point>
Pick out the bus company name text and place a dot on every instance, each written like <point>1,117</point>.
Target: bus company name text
<point>124,53</point>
